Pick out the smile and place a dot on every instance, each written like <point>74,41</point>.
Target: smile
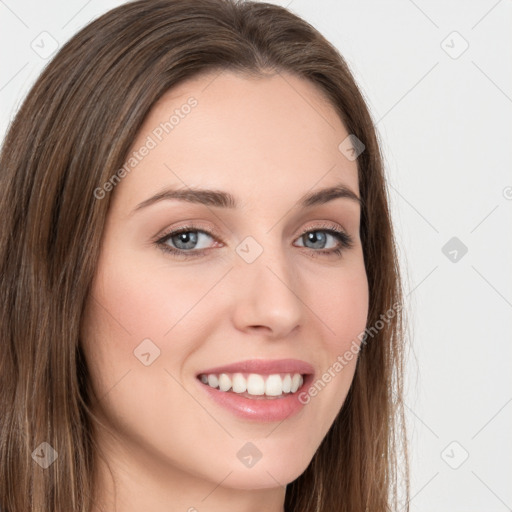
<point>254,384</point>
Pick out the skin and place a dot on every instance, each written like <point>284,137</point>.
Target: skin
<point>267,141</point>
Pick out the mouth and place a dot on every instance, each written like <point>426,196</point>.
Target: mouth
<point>259,379</point>
<point>255,386</point>
<point>259,390</point>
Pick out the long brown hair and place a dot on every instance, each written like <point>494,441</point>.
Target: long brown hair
<point>71,134</point>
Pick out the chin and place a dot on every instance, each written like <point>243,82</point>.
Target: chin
<point>265,475</point>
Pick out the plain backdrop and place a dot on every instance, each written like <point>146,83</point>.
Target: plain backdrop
<point>437,77</point>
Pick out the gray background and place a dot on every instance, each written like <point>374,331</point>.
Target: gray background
<point>443,113</point>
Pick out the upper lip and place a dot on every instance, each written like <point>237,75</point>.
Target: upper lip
<point>263,366</point>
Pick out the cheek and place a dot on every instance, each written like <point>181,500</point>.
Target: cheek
<point>133,300</point>
<point>130,313</point>
<point>145,299</point>
<point>344,310</point>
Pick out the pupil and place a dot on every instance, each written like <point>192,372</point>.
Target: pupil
<point>188,239</point>
<point>314,238</point>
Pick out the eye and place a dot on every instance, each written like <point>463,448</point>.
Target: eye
<point>189,241</point>
<point>319,237</point>
<point>184,241</point>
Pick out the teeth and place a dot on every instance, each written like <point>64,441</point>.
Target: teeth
<point>213,381</point>
<point>254,383</point>
<point>239,383</point>
<point>224,382</point>
<point>274,385</point>
<point>287,384</point>
<point>296,382</point>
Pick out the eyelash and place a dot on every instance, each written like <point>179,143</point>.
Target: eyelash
<point>344,239</point>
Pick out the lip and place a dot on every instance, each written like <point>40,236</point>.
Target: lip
<point>263,367</point>
<point>260,409</point>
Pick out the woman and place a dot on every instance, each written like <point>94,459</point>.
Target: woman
<point>201,303</point>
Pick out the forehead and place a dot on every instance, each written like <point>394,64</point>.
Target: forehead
<point>249,135</point>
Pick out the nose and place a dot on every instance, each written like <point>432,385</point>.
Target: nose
<point>267,295</point>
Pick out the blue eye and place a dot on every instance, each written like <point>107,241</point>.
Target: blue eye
<point>184,240</point>
<point>188,241</point>
<point>321,237</point>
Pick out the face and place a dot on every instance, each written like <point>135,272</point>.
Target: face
<point>266,279</point>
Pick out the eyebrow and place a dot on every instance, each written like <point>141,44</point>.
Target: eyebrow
<point>223,199</point>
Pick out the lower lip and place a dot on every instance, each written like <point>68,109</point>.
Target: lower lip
<point>259,409</point>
